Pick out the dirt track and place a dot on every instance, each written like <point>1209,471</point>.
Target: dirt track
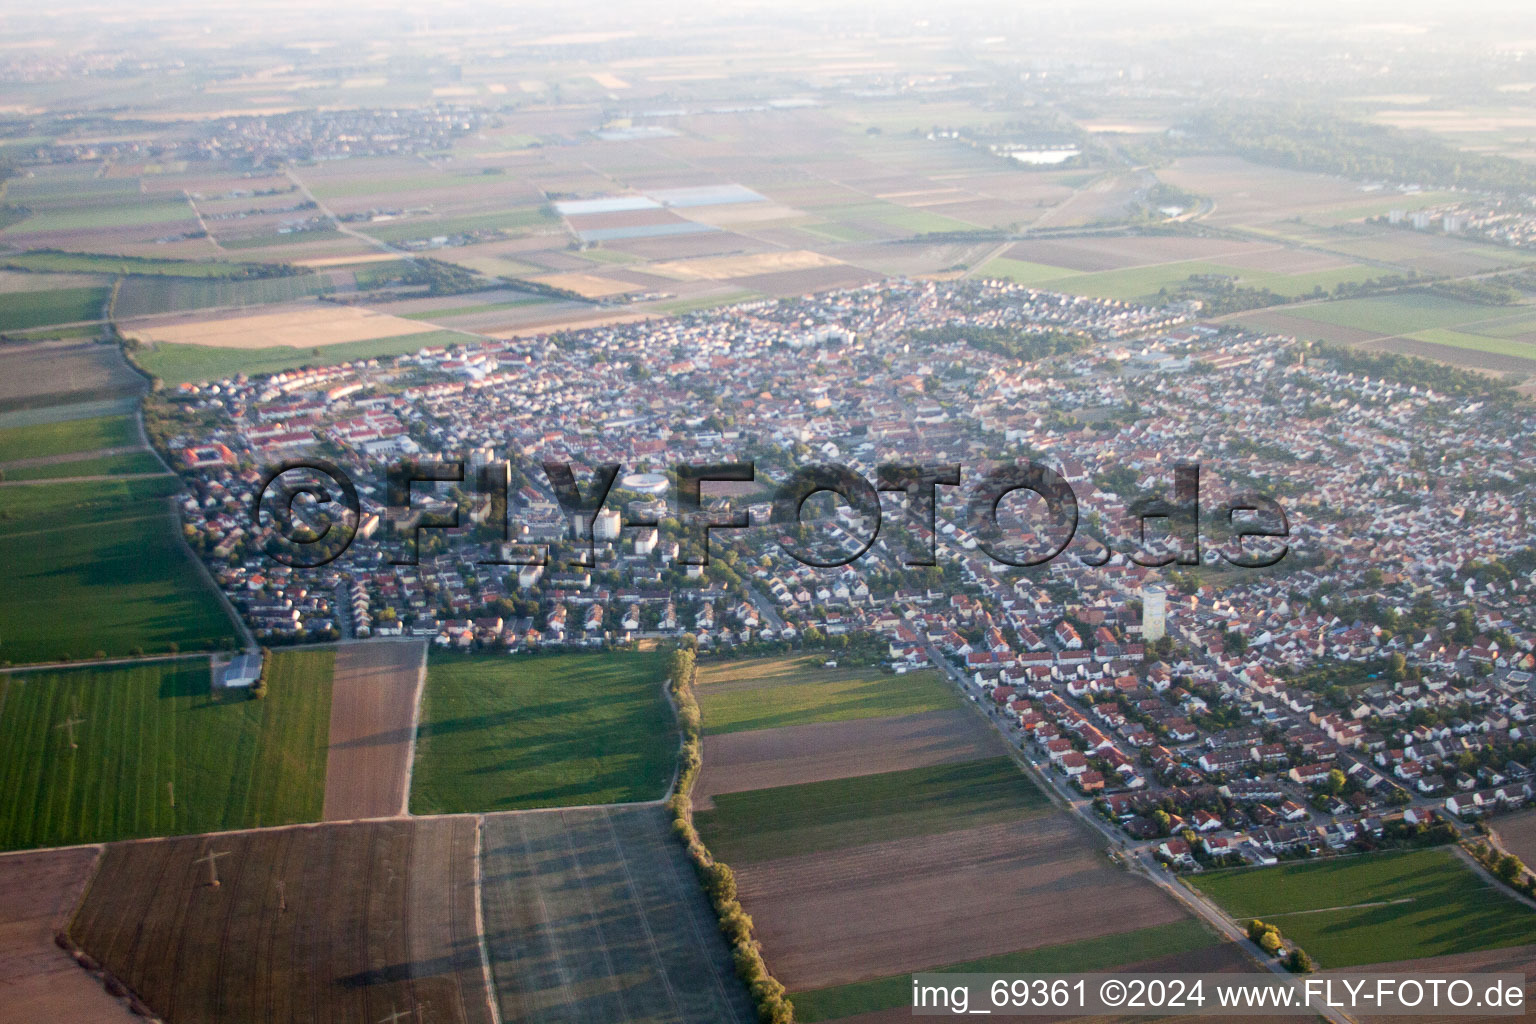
<point>373,712</point>
<point>39,981</point>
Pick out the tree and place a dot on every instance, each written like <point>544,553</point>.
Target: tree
<point>1336,782</point>
<point>1164,822</point>
<point>1508,868</point>
<point>1299,962</point>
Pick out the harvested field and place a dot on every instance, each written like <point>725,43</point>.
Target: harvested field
<point>296,327</point>
<point>596,917</point>
<point>371,919</point>
<point>906,904</point>
<point>51,372</point>
<point>721,268</point>
<point>374,697</point>
<point>38,891</point>
<point>837,750</point>
<point>805,282</point>
<point>591,286</point>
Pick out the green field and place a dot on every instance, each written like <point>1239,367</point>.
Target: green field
<point>516,220</point>
<point>1145,282</point>
<point>142,296</point>
<point>89,262</point>
<point>1420,316</point>
<point>230,761</point>
<point>1376,908</point>
<point>67,436</point>
<point>97,567</point>
<point>770,693</point>
<point>129,464</point>
<point>20,310</point>
<point>131,211</point>
<point>1100,954</point>
<point>1404,313</point>
<point>502,733</point>
<point>762,824</point>
<point>179,364</point>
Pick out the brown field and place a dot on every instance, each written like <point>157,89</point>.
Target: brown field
<point>804,282</point>
<point>721,268</point>
<point>590,286</point>
<point>379,918</point>
<point>52,372</point>
<point>38,980</point>
<point>902,905</point>
<point>765,758</point>
<point>1094,254</point>
<point>1511,960</point>
<point>1518,834</point>
<point>374,696</point>
<point>1467,359</point>
<point>596,916</point>
<point>297,326</point>
<point>346,261</point>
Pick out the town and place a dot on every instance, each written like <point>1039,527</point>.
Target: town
<point>1323,704</point>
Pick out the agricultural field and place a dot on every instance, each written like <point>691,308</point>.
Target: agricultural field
<point>847,915</point>
<point>23,309</point>
<point>146,296</point>
<point>1086,955</point>
<point>300,325</point>
<point>1468,334</point>
<point>374,697</point>
<point>158,753</point>
<point>502,733</point>
<point>38,892</point>
<point>68,436</point>
<point>127,464</point>
<point>180,364</point>
<point>87,567</point>
<point>334,922</point>
<point>595,916</point>
<point>1376,908</point>
<point>823,751</point>
<point>737,696</point>
<point>54,262</point>
<point>763,824</point>
<point>877,826</point>
<point>1518,833</point>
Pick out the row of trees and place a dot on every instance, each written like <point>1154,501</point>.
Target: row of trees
<point>1506,867</point>
<point>719,881</point>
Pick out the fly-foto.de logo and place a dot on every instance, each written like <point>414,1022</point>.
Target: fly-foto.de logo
<point>332,513</point>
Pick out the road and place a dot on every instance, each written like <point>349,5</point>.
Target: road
<point>765,608</point>
<point>1137,858</point>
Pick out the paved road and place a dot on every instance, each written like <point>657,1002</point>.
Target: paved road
<point>765,608</point>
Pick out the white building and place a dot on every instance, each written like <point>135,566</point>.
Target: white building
<point>606,526</point>
<point>1154,614</point>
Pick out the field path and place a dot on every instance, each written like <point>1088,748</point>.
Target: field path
<point>374,701</point>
